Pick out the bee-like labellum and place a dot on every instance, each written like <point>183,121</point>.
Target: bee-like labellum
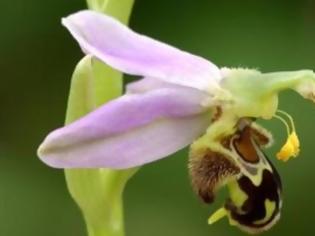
<point>254,185</point>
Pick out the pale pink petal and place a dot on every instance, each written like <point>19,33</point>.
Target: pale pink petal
<point>138,127</point>
<point>132,53</point>
<point>136,147</point>
<point>148,84</point>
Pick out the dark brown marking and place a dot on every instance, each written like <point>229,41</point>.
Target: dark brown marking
<point>245,147</point>
<point>217,114</point>
<point>254,206</point>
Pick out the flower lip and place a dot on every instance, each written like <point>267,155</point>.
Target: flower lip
<point>132,53</point>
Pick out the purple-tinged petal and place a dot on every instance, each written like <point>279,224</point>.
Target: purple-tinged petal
<point>133,148</point>
<point>148,84</point>
<point>129,131</point>
<point>132,53</point>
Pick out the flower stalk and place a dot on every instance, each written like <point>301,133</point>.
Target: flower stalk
<point>119,9</point>
<point>98,192</point>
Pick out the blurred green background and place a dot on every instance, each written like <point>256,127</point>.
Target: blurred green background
<point>37,57</point>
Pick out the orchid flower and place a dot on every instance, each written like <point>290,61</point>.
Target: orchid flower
<point>180,100</point>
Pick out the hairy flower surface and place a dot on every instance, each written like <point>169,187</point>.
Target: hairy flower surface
<point>182,99</point>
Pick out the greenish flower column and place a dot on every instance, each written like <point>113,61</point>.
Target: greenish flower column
<point>98,192</point>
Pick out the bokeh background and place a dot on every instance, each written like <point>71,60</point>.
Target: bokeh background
<point>37,57</point>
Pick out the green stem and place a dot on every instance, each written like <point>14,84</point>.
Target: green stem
<point>98,192</point>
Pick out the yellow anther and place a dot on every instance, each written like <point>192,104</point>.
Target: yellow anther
<point>291,148</point>
<point>219,214</point>
<point>295,142</point>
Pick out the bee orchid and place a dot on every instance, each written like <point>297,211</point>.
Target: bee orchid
<point>180,100</point>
